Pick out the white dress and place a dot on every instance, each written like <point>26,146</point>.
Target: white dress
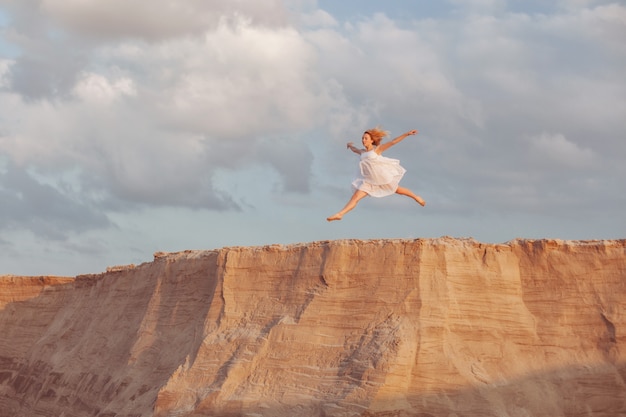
<point>379,175</point>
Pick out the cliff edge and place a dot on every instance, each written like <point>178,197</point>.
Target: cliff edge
<point>427,327</point>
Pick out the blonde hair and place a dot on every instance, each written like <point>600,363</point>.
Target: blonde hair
<point>377,134</point>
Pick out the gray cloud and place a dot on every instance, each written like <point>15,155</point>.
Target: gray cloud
<point>43,209</point>
<point>45,75</point>
<point>291,159</point>
<point>141,19</point>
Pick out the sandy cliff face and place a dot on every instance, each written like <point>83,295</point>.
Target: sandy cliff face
<point>439,327</point>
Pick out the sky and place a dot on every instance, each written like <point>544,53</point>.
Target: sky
<point>128,128</point>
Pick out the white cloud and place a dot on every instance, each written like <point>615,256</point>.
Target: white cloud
<point>95,88</point>
<point>391,72</point>
<point>242,81</point>
<point>152,122</point>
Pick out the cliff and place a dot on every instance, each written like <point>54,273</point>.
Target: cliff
<point>427,327</point>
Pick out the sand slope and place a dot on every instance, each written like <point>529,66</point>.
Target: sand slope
<point>427,327</point>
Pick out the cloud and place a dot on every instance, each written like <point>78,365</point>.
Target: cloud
<point>477,87</point>
<point>143,19</point>
<point>44,209</point>
<point>4,72</point>
<point>318,18</point>
<point>47,73</point>
<point>152,123</point>
<point>386,71</point>
<point>482,6</point>
<point>238,81</point>
<point>557,150</point>
<point>291,159</point>
<point>95,88</point>
<point>145,105</point>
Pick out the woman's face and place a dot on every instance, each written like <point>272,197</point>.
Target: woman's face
<point>367,140</point>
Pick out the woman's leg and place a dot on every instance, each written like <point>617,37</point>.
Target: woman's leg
<point>409,193</point>
<point>356,197</point>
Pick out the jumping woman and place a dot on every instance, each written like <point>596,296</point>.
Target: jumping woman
<point>379,176</point>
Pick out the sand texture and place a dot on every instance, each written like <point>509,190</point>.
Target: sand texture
<point>427,327</point>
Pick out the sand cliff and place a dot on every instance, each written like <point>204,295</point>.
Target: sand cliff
<point>428,327</point>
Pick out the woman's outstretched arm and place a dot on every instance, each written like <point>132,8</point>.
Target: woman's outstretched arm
<point>384,146</point>
<point>353,148</point>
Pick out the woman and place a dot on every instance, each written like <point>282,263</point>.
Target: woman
<point>380,176</point>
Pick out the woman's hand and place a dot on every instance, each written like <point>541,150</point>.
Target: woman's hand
<point>384,146</point>
<point>350,146</point>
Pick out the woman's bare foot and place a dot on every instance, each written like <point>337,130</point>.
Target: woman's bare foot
<point>334,217</point>
<point>409,193</point>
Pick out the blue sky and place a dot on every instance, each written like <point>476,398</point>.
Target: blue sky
<point>130,129</point>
